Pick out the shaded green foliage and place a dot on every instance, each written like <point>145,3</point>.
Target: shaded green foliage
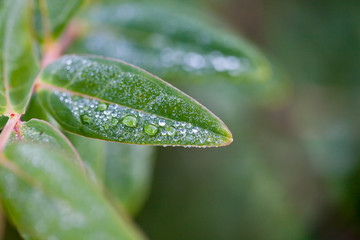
<point>19,61</point>
<point>55,199</point>
<point>56,186</point>
<point>174,41</point>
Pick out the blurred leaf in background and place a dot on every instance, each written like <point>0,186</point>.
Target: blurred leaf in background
<point>293,170</point>
<point>304,145</point>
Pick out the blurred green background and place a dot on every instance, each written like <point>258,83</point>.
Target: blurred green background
<point>293,169</point>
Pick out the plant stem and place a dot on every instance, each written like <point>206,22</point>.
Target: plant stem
<point>10,125</point>
<point>54,50</point>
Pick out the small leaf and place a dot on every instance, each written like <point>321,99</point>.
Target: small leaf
<point>128,173</point>
<point>35,110</point>
<point>174,42</point>
<point>56,200</point>
<point>3,121</point>
<point>75,90</point>
<point>19,63</point>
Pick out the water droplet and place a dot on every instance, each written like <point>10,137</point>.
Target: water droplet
<point>176,124</point>
<point>102,107</point>
<point>86,119</point>
<point>114,122</point>
<point>129,121</point>
<point>182,130</point>
<point>195,130</point>
<point>150,129</point>
<point>162,122</point>
<point>170,131</point>
<point>189,138</point>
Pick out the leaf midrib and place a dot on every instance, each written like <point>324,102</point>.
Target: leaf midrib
<point>56,88</point>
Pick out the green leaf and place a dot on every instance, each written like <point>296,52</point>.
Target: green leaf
<point>41,132</point>
<point>128,173</point>
<point>174,42</point>
<point>35,110</point>
<point>124,171</point>
<point>92,152</point>
<point>111,100</point>
<point>3,121</point>
<point>55,14</point>
<point>48,198</point>
<point>19,63</point>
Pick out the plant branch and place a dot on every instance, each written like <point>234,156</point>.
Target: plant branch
<point>54,50</point>
<point>10,125</point>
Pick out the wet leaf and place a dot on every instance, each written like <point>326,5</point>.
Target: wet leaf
<point>56,200</point>
<point>174,42</point>
<point>128,173</point>
<point>19,63</point>
<point>111,100</point>
<point>41,132</point>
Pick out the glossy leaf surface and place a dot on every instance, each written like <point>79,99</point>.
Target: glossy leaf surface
<point>111,100</point>
<point>19,62</point>
<point>172,42</point>
<point>56,200</point>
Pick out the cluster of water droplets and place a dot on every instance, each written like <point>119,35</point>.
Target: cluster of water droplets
<point>123,124</point>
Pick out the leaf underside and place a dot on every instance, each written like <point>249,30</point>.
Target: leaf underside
<point>111,100</point>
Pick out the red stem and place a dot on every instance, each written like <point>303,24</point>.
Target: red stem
<point>10,125</point>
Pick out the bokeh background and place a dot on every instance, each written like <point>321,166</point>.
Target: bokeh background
<point>293,170</point>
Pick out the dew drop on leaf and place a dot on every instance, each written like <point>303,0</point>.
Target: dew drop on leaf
<point>129,121</point>
<point>182,130</point>
<point>162,122</point>
<point>170,131</point>
<point>86,119</point>
<point>113,122</point>
<point>102,107</point>
<point>150,129</point>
